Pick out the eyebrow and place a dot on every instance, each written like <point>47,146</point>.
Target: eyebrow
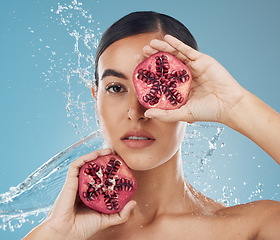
<point>114,73</point>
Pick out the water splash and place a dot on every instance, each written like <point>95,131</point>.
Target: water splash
<point>200,143</point>
<point>71,64</point>
<point>81,26</point>
<point>32,199</point>
<point>71,72</point>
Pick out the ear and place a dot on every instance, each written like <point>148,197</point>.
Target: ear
<point>94,95</point>
<point>93,91</point>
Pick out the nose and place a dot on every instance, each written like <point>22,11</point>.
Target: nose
<point>135,110</point>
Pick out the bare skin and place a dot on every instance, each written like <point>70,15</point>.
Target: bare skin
<point>165,205</point>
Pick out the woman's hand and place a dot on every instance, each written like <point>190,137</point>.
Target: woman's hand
<point>214,92</point>
<point>215,96</point>
<point>69,218</point>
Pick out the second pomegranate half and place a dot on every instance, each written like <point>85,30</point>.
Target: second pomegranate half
<point>162,81</point>
<point>106,184</point>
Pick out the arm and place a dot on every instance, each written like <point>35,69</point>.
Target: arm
<point>216,96</point>
<point>266,217</point>
<point>69,218</point>
<point>257,121</point>
<point>270,226</point>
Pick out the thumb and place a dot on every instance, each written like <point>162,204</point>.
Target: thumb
<point>181,114</point>
<point>109,220</point>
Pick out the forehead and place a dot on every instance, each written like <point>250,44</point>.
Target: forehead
<point>120,54</point>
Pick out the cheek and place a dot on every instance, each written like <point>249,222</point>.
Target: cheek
<point>173,131</point>
<point>180,130</point>
<point>172,135</point>
<point>109,113</point>
<point>107,107</point>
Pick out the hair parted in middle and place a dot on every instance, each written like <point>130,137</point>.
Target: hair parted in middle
<point>143,22</point>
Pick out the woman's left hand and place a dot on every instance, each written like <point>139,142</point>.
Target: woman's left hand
<point>214,92</point>
<point>69,217</point>
<point>215,96</point>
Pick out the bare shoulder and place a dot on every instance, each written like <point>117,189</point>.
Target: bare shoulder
<point>262,217</point>
<point>258,220</point>
<point>251,208</point>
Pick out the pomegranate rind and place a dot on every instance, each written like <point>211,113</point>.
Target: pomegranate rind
<point>119,197</point>
<point>152,78</point>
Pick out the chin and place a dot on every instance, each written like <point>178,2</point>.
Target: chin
<point>143,159</point>
<point>140,161</point>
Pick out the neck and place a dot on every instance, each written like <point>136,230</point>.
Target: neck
<point>161,190</point>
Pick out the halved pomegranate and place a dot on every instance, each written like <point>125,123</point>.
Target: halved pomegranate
<point>106,184</point>
<point>162,81</point>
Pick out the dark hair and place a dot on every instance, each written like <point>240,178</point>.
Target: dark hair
<point>143,22</point>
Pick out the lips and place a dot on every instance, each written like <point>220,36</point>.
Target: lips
<point>137,139</point>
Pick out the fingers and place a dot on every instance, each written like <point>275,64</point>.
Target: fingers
<point>181,114</point>
<point>184,53</point>
<point>67,197</point>
<point>148,50</point>
<point>173,46</point>
<point>118,218</point>
<point>162,46</point>
<point>73,172</point>
<point>76,165</point>
<point>186,50</point>
<point>163,115</point>
<point>139,58</point>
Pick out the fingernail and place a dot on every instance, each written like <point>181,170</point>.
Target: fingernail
<point>147,115</point>
<point>146,48</point>
<point>138,57</point>
<point>133,204</point>
<point>155,40</point>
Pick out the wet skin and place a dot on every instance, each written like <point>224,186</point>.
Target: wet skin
<point>167,206</point>
<point>121,114</point>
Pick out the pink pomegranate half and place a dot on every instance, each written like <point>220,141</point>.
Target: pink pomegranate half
<point>162,81</point>
<point>106,184</point>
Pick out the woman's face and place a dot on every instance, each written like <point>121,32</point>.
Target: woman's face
<point>142,142</point>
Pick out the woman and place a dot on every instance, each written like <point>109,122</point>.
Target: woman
<point>165,205</point>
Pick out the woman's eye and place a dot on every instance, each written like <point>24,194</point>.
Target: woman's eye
<point>115,88</point>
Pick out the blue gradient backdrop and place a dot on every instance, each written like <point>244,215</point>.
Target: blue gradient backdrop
<point>243,36</point>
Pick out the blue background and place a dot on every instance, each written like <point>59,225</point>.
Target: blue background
<point>243,36</point>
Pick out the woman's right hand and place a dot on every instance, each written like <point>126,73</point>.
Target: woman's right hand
<point>214,92</point>
<point>69,218</point>
<point>215,96</point>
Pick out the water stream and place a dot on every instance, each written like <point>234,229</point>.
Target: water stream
<point>72,71</point>
<point>32,199</point>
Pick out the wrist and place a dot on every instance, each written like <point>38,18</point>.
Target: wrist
<point>44,231</point>
<point>257,121</point>
<point>239,114</point>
